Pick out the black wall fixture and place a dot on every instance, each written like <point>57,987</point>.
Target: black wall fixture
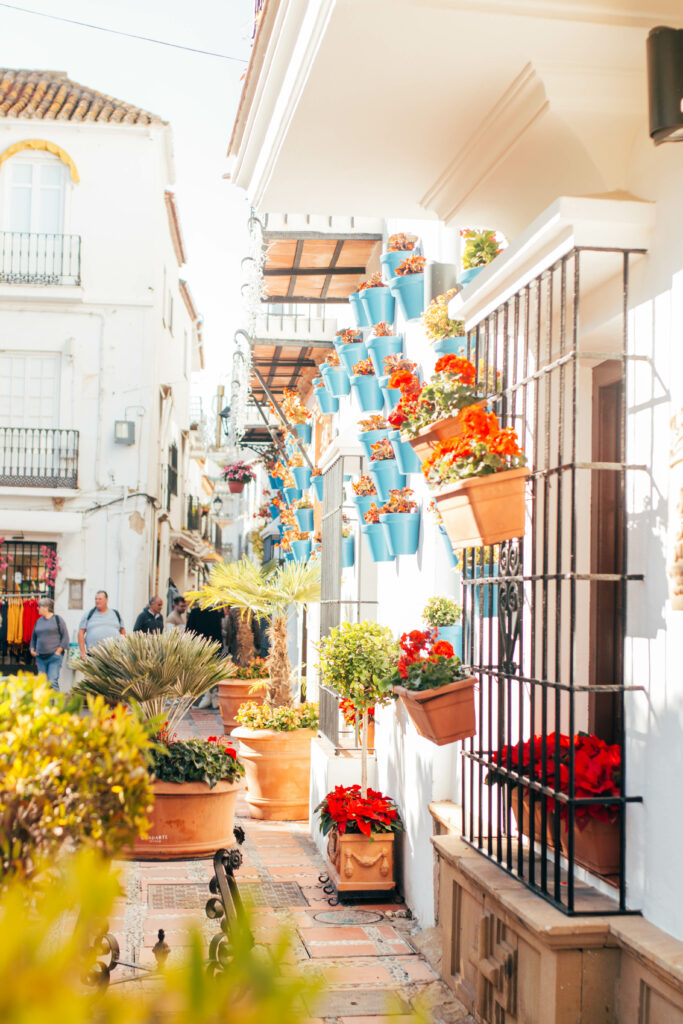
<point>665,84</point>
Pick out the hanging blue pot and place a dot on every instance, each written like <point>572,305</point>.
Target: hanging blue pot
<point>302,477</point>
<point>390,260</point>
<point>367,392</point>
<point>451,346</point>
<point>291,494</point>
<point>410,292</point>
<point>386,477</point>
<point>289,556</point>
<point>475,591</point>
<point>301,549</point>
<point>379,304</point>
<point>275,482</point>
<point>274,511</point>
<point>351,354</point>
<point>453,636</point>
<point>348,552</point>
<point>317,483</point>
<point>408,461</point>
<point>377,543</point>
<point>402,531</point>
<point>392,396</point>
<point>358,310</point>
<point>304,519</point>
<point>304,432</point>
<point>327,403</point>
<point>337,381</point>
<point>468,275</point>
<point>379,348</point>
<point>363,503</point>
<point>370,437</point>
<point>450,553</point>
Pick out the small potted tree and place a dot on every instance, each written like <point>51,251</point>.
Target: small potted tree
<point>237,474</point>
<point>408,286</point>
<point>446,335</point>
<point>442,614</point>
<point>481,247</point>
<point>377,300</point>
<point>361,823</point>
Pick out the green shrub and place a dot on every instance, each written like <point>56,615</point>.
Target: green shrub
<point>282,719</point>
<point>196,761</point>
<point>67,778</point>
<point>355,659</point>
<point>441,611</point>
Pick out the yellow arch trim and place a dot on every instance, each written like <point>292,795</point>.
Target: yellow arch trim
<point>44,146</point>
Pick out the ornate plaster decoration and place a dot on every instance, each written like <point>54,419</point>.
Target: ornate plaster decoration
<point>42,145</point>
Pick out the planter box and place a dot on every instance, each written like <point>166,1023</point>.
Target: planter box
<point>596,846</point>
<point>278,767</point>
<point>234,692</point>
<point>236,486</point>
<point>358,864</point>
<point>484,510</point>
<point>443,715</point>
<point>189,820</point>
<point>522,822</point>
<point>443,430</point>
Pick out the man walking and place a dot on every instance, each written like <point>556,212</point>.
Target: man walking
<point>150,619</point>
<point>178,617</point>
<point>49,640</point>
<point>99,623</point>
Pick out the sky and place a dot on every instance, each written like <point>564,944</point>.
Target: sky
<point>197,94</point>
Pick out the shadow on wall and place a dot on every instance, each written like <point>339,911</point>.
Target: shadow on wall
<point>647,532</point>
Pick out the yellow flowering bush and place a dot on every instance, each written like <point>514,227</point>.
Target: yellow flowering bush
<point>67,778</point>
<point>283,719</point>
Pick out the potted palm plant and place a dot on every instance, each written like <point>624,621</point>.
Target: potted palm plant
<point>360,822</point>
<point>275,737</point>
<point>408,286</point>
<point>446,335</point>
<point>366,388</point>
<point>195,781</point>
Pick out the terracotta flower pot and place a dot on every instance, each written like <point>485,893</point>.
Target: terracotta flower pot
<point>232,693</point>
<point>235,486</point>
<point>596,845</point>
<point>484,510</point>
<point>442,430</point>
<point>358,864</point>
<point>538,818</point>
<point>442,715</point>
<point>278,767</point>
<point>189,820</point>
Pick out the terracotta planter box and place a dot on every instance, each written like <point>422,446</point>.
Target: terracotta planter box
<point>596,846</point>
<point>236,486</point>
<point>538,818</point>
<point>484,510</point>
<point>189,820</point>
<point>278,768</point>
<point>426,440</point>
<point>443,715</point>
<point>357,864</point>
<point>232,693</point>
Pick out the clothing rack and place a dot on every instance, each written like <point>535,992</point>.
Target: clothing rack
<point>27,595</point>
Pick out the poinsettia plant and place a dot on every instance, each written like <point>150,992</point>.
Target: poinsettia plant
<point>481,247</point>
<point>364,368</point>
<point>238,472</point>
<point>350,336</point>
<point>425,662</point>
<point>372,423</point>
<point>481,449</point>
<point>411,265</point>
<point>437,323</point>
<point>363,487</point>
<point>293,408</point>
<point>347,810</point>
<point>401,242</point>
<point>451,388</point>
<point>375,281</point>
<point>381,451</point>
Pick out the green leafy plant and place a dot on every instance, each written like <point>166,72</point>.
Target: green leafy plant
<point>207,761</point>
<point>438,325</point>
<point>67,778</point>
<point>441,611</point>
<point>163,673</point>
<point>451,388</point>
<point>481,247</point>
<point>282,719</point>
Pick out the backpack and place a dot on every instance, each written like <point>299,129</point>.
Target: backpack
<point>93,610</point>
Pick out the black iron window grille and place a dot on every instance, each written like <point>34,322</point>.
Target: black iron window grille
<point>43,259</point>
<point>38,457</point>
<point>544,617</point>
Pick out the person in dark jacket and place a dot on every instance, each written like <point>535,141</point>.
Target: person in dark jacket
<point>49,640</point>
<point>150,619</point>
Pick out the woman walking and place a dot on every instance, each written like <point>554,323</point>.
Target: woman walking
<point>49,640</point>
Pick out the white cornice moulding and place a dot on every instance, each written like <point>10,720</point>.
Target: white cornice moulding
<point>569,222</point>
<point>31,521</point>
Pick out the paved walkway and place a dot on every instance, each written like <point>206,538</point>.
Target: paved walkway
<point>365,954</point>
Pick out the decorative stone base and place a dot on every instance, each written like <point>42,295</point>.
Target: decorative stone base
<point>513,959</point>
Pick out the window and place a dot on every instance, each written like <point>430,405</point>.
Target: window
<point>172,471</point>
<point>29,389</point>
<point>34,194</point>
<point>169,319</point>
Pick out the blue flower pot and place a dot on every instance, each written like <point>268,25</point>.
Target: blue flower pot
<point>337,381</point>
<point>348,552</point>
<point>274,511</point>
<point>402,531</point>
<point>363,503</point>
<point>301,549</point>
<point>275,482</point>
<point>377,543</point>
<point>390,260</point>
<point>468,275</point>
<point>351,354</point>
<point>451,346</point>
<point>386,477</point>
<point>327,403</point>
<point>392,396</point>
<point>453,636</point>
<point>358,310</point>
<point>371,437</point>
<point>289,556</point>
<point>379,304</point>
<point>450,553</point>
<point>391,345</point>
<point>302,477</point>
<point>304,432</point>
<point>408,461</point>
<point>317,483</point>
<point>291,494</point>
<point>409,290</point>
<point>304,519</point>
<point>475,591</point>
<point>367,392</point>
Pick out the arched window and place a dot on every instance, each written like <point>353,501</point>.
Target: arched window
<point>34,190</point>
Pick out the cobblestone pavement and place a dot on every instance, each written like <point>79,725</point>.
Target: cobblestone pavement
<point>364,953</point>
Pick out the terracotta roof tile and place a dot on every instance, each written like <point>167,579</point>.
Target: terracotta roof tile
<point>51,96</point>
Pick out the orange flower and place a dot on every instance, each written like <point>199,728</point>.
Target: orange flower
<point>383,330</point>
<point>477,423</point>
<point>411,265</point>
<point>504,443</point>
<point>457,365</point>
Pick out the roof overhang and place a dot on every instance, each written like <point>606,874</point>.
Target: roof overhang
<point>500,105</point>
<point>313,267</point>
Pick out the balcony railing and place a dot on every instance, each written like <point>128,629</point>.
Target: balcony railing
<point>39,258</point>
<point>38,457</point>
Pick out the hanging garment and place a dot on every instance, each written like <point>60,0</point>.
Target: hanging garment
<point>29,618</point>
<point>15,614</point>
<point>3,625</point>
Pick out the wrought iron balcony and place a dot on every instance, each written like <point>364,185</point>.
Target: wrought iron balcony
<point>27,258</point>
<point>38,457</point>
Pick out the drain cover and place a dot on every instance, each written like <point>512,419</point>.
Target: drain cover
<point>166,896</point>
<point>348,916</point>
<point>275,894</point>
<point>191,896</point>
